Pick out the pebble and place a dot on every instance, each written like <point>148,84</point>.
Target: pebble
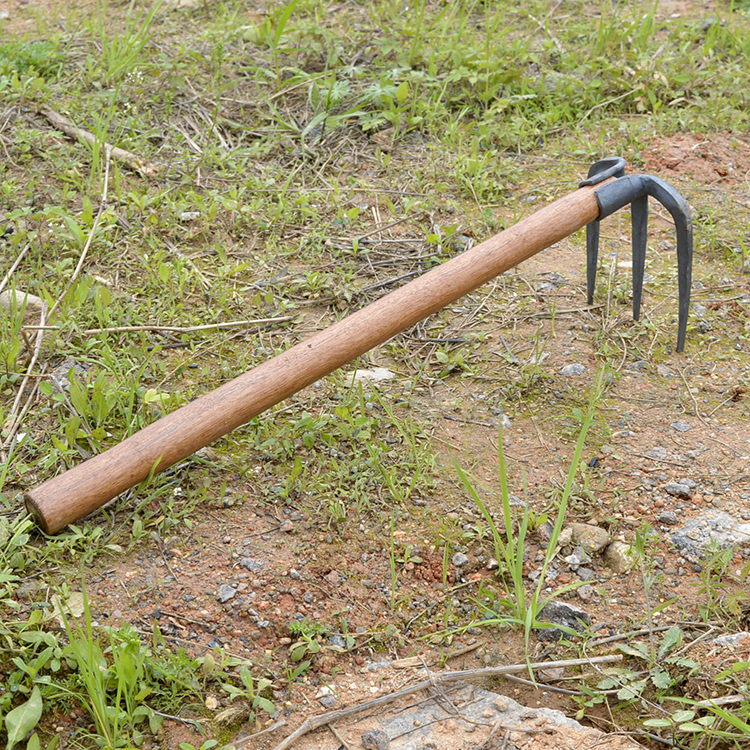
<point>253,564</point>
<point>375,375</point>
<point>659,452</point>
<point>574,370</point>
<point>681,426</point>
<point>225,592</point>
<point>459,559</point>
<point>669,518</point>
<point>584,592</point>
<point>59,375</point>
<point>287,526</point>
<point>589,538</point>
<point>618,557</point>
<point>27,590</point>
<point>561,613</point>
<point>334,578</point>
<point>677,489</point>
<point>710,527</point>
<point>640,366</point>
<point>376,739</point>
<point>586,574</point>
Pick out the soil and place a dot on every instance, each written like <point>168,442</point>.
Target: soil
<point>305,566</point>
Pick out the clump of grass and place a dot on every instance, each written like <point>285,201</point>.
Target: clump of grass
<point>523,608</point>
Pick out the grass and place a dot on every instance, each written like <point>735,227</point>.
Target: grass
<point>511,547</point>
<point>309,161</point>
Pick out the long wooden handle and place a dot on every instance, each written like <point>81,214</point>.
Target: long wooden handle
<point>86,487</point>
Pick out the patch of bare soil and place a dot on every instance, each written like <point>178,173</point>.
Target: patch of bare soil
<point>706,159</point>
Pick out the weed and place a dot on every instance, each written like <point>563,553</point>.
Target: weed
<point>510,546</point>
<point>121,53</point>
<point>115,718</point>
<point>720,600</point>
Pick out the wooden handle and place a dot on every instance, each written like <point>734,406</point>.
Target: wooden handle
<point>86,487</point>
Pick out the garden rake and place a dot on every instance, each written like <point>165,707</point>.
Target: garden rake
<point>86,487</point>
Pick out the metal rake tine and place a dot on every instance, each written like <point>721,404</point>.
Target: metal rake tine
<point>592,257</point>
<point>613,166</point>
<point>639,223</point>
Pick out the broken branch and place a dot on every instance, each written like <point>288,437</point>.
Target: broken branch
<point>118,154</point>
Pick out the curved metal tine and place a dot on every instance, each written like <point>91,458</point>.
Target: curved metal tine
<point>680,211</point>
<point>639,223</point>
<point>612,166</point>
<point>592,257</point>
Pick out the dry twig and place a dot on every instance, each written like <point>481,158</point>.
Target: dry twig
<point>118,154</point>
<point>15,265</point>
<point>18,418</point>
<point>171,329</point>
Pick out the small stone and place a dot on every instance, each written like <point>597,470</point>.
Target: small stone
<point>190,215</point>
<point>664,372</point>
<point>501,704</point>
<point>376,739</point>
<point>677,489</point>
<point>659,453</point>
<point>375,375</point>
<point>252,564</point>
<point>334,578</point>
<point>584,592</point>
<point>15,301</point>
<point>337,641</point>
<point>590,538</point>
<point>59,376</point>
<point>640,366</point>
<point>681,426</point>
<point>28,590</point>
<point>287,526</point>
<point>492,564</point>
<point>618,557</point>
<point>327,701</point>
<point>668,517</point>
<point>545,531</point>
<point>731,640</point>
<point>561,613</point>
<point>574,370</point>
<point>225,592</point>
<point>459,559</point>
<point>578,557</point>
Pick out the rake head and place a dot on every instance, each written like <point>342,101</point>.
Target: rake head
<point>635,189</point>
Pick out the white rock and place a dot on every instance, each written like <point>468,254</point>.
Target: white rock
<point>375,375</point>
<point>33,303</point>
